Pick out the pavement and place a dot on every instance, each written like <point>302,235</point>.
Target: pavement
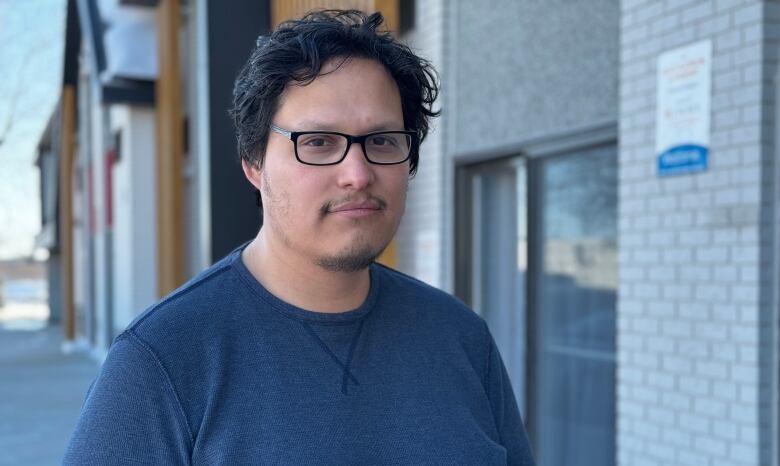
<point>41,389</point>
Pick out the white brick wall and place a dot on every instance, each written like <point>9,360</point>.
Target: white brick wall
<point>421,234</point>
<point>690,367</point>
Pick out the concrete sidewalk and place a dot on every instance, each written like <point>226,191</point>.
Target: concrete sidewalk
<point>41,391</point>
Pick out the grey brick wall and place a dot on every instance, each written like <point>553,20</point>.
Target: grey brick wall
<point>696,319</point>
<point>420,235</point>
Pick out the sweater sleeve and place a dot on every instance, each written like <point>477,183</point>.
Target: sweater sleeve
<point>131,414</point>
<point>512,434</point>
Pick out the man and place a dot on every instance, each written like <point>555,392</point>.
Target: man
<point>298,349</point>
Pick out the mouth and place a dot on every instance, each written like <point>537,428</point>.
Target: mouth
<point>357,209</point>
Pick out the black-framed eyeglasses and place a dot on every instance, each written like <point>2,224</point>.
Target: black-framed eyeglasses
<point>330,147</point>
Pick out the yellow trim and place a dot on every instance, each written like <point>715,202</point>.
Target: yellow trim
<point>283,10</point>
<point>67,149</point>
<point>169,136</point>
<point>389,256</point>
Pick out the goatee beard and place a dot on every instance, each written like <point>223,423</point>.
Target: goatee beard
<point>353,261</point>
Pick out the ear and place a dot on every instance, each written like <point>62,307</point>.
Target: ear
<point>253,173</point>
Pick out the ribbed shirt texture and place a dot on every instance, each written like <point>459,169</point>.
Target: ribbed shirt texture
<point>222,372</point>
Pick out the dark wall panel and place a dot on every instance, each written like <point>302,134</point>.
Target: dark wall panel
<point>235,218</point>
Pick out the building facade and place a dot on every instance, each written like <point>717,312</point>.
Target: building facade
<point>635,305</point>
<point>514,208</point>
<point>698,340</point>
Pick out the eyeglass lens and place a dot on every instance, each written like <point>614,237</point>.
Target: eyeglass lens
<point>323,148</point>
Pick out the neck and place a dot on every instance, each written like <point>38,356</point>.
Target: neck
<point>299,281</point>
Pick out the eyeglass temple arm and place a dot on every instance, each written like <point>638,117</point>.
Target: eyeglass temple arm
<point>287,134</point>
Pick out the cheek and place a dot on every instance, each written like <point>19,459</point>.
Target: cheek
<point>307,193</point>
<point>400,186</point>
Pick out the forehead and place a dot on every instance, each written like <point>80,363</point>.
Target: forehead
<point>348,93</point>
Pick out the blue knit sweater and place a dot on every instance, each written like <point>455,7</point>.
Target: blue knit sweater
<point>222,372</point>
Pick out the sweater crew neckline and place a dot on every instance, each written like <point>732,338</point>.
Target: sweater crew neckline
<point>298,313</point>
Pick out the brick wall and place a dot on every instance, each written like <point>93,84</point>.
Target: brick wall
<point>420,236</point>
<point>694,290</point>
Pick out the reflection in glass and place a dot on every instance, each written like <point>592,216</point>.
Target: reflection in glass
<point>574,324</point>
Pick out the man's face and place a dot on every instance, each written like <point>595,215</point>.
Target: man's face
<point>339,216</point>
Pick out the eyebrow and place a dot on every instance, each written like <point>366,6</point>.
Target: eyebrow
<point>312,125</point>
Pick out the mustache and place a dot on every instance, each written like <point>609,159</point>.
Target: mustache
<point>328,206</point>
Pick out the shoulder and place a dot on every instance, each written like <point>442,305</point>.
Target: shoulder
<point>132,394</point>
<point>186,333</point>
<point>428,303</point>
<point>443,323</point>
<point>190,313</point>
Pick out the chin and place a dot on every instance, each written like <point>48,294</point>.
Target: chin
<point>353,260</point>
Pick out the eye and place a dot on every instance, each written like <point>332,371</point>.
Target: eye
<point>382,140</point>
<point>318,140</point>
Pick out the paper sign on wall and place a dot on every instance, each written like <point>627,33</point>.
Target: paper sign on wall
<point>682,136</point>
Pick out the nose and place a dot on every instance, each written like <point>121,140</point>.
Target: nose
<point>355,171</point>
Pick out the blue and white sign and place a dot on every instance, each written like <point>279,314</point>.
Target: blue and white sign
<point>682,130</point>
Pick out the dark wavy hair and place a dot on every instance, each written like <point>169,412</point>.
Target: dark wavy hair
<point>297,50</point>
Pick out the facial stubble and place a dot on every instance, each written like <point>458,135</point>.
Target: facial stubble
<point>356,257</point>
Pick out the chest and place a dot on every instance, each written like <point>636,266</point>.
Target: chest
<point>409,405</point>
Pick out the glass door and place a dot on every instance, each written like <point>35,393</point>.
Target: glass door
<point>574,291</point>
